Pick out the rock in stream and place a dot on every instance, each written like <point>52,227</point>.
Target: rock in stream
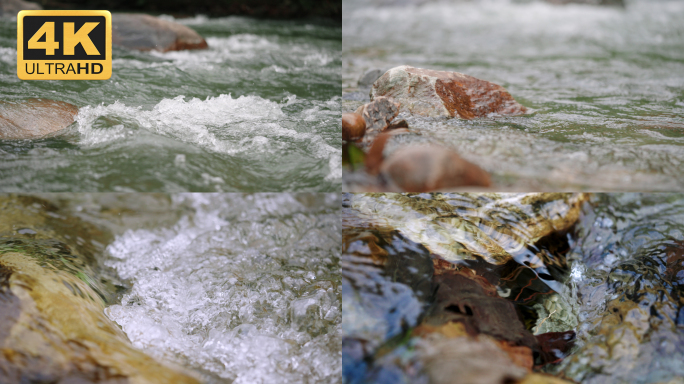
<point>34,118</point>
<point>433,93</point>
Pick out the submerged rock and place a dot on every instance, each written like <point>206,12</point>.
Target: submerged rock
<point>386,281</point>
<point>53,329</point>
<point>467,361</point>
<point>353,126</point>
<point>34,118</point>
<point>10,8</point>
<point>145,33</point>
<point>447,94</point>
<point>462,297</point>
<point>493,227</point>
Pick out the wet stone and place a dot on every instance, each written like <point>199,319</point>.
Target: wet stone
<point>34,118</point>
<point>378,113</point>
<point>444,94</point>
<point>53,329</point>
<point>430,167</point>
<point>353,126</point>
<point>388,281</point>
<point>145,33</point>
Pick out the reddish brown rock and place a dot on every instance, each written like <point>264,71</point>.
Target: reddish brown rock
<point>34,118</point>
<point>379,113</point>
<point>146,33</point>
<point>430,167</point>
<point>353,126</point>
<point>439,93</point>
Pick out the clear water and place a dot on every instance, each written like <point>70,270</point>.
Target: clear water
<point>244,289</point>
<point>258,111</point>
<point>622,294</point>
<point>605,85</point>
<point>238,288</point>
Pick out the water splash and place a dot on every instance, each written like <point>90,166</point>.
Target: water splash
<point>243,289</point>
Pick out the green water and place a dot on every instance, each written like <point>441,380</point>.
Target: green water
<point>257,111</point>
<point>604,85</point>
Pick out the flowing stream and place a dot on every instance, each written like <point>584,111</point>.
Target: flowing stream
<point>617,274</point>
<point>257,111</point>
<point>237,288</point>
<point>604,85</point>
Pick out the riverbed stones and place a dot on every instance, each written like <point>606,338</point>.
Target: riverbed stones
<point>434,93</point>
<point>431,167</point>
<point>34,118</point>
<point>353,126</point>
<point>10,8</point>
<point>53,330</point>
<point>146,33</point>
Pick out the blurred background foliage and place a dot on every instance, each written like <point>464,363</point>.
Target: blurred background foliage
<point>330,9</point>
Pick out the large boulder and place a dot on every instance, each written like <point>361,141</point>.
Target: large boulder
<point>34,118</point>
<point>53,330</point>
<point>146,33</point>
<point>433,93</point>
<point>10,8</point>
<point>53,292</point>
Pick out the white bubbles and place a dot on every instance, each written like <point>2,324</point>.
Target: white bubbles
<point>244,126</point>
<point>242,288</point>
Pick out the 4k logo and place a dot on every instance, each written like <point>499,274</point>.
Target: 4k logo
<point>64,45</point>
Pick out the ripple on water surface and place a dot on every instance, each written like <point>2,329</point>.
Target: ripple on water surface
<point>257,111</point>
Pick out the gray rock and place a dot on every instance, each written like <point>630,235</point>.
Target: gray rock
<point>369,77</point>
<point>146,33</point>
<point>379,113</point>
<point>10,8</point>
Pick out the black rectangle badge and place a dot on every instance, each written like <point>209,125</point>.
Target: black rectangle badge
<point>64,45</point>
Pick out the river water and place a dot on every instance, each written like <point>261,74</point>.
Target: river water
<point>605,85</point>
<point>237,288</point>
<point>620,291</point>
<point>258,111</point>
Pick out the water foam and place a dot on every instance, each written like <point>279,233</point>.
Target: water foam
<point>223,124</point>
<point>244,288</point>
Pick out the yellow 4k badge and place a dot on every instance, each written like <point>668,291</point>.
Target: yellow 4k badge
<point>64,45</point>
